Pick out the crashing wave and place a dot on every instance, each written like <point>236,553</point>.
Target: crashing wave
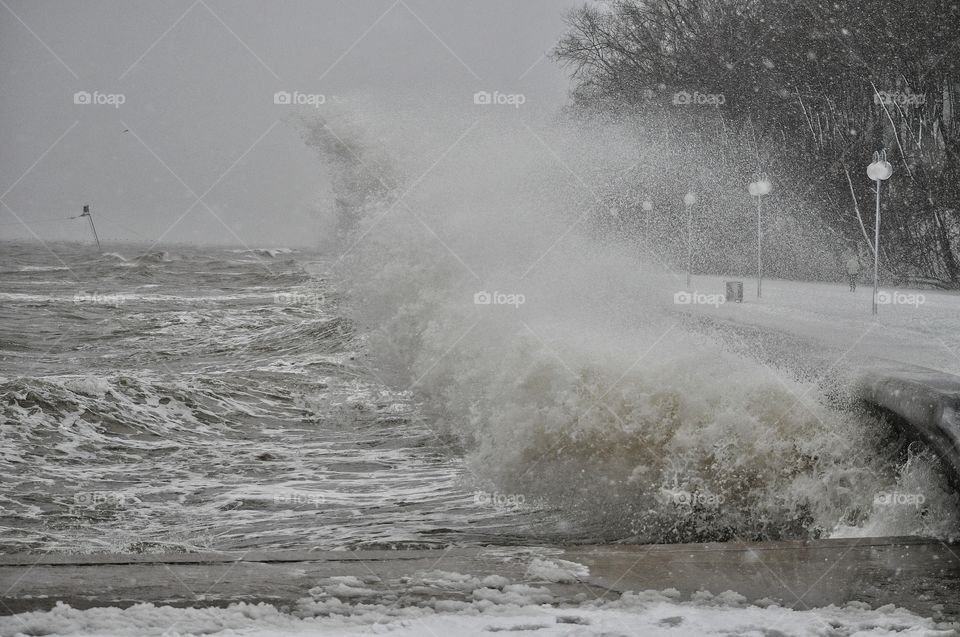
<point>557,359</point>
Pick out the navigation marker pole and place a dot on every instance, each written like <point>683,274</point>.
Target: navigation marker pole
<point>86,213</point>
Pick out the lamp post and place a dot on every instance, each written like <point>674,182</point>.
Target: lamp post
<point>647,206</point>
<point>878,170</point>
<point>688,200</point>
<point>759,187</point>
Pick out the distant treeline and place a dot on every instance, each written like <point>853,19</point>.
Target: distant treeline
<point>804,90</point>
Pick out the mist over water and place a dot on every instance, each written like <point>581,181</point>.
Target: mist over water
<point>472,258</point>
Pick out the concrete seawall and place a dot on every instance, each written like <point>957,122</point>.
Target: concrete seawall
<point>926,402</point>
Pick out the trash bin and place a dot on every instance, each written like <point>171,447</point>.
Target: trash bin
<point>735,291</point>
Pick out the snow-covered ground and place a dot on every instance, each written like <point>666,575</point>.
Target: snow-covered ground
<point>918,327</point>
<point>492,607</point>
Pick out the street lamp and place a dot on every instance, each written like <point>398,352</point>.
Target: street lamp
<point>878,170</point>
<point>688,200</point>
<point>647,206</point>
<point>759,187</point>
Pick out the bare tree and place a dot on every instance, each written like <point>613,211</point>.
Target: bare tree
<point>823,84</point>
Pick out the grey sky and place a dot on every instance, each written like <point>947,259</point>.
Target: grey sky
<point>198,80</point>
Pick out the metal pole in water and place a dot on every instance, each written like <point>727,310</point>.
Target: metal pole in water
<point>86,213</point>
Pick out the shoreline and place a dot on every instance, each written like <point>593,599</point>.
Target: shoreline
<point>921,575</point>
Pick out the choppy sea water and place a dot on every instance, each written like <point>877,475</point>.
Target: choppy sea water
<point>211,399</point>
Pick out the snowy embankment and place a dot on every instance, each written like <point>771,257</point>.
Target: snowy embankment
<point>835,587</point>
<point>650,613</point>
<point>443,602</point>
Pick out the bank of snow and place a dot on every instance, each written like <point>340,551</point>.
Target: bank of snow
<point>492,607</point>
<point>912,326</point>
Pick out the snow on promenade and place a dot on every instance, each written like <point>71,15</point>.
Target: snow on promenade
<point>917,327</point>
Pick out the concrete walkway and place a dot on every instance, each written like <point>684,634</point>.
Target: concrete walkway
<point>921,575</point>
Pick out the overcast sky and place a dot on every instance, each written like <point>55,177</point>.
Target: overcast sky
<point>197,81</point>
